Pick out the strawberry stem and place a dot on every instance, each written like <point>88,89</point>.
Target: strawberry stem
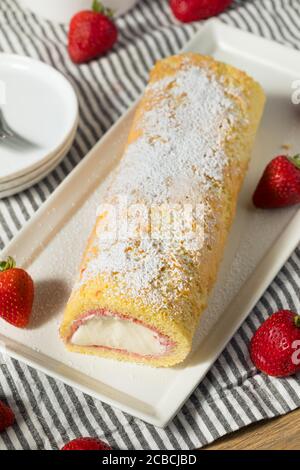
<point>296,160</point>
<point>8,264</point>
<point>97,7</point>
<point>297,321</point>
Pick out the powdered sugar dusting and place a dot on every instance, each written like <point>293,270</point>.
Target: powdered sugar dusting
<point>178,158</point>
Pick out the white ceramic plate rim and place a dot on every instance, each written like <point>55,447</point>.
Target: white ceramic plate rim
<point>73,105</point>
<point>38,176</point>
<point>226,327</point>
<point>42,169</point>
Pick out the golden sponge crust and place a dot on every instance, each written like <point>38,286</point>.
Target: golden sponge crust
<point>178,316</point>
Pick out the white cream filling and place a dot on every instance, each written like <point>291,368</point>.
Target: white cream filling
<point>117,333</point>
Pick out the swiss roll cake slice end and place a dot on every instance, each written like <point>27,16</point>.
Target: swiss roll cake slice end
<point>161,228</point>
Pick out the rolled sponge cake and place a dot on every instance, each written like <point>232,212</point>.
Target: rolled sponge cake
<point>154,253</point>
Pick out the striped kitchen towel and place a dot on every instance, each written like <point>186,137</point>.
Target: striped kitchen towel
<point>233,394</point>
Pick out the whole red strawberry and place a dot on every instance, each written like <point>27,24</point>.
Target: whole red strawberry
<point>280,183</point>
<point>7,417</point>
<point>275,347</point>
<point>92,33</point>
<point>86,443</point>
<point>195,10</point>
<point>16,294</point>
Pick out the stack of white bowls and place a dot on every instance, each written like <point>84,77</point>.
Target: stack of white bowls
<point>39,109</point>
<point>61,11</point>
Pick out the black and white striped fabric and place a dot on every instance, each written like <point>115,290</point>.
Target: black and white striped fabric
<point>233,394</point>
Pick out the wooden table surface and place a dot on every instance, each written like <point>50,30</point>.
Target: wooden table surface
<point>276,434</point>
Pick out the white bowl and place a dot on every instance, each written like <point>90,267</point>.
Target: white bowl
<point>42,170</point>
<point>20,184</point>
<point>62,11</point>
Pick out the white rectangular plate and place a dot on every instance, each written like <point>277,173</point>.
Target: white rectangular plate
<point>51,244</point>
